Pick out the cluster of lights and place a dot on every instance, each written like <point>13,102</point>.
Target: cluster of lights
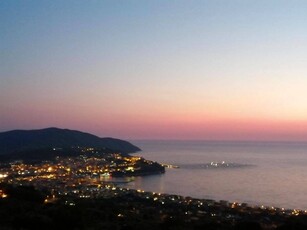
<point>3,194</point>
<point>3,176</point>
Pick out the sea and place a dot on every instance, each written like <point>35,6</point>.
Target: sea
<point>272,174</point>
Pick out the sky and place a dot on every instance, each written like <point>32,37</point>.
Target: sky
<point>212,70</point>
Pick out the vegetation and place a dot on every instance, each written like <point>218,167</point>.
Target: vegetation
<point>20,140</point>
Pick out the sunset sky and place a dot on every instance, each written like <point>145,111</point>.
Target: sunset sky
<point>220,69</point>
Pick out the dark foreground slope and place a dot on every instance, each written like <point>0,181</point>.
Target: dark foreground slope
<point>24,208</point>
<point>20,140</point>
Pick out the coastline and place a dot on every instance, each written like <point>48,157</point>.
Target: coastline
<point>82,179</point>
<point>139,208</point>
<point>275,178</point>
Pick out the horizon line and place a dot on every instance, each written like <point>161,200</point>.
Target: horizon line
<point>227,140</point>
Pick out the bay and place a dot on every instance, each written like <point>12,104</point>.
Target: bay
<point>264,173</point>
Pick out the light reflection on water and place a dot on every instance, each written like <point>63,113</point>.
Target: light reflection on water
<point>278,176</point>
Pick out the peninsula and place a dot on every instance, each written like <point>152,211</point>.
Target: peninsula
<point>53,156</point>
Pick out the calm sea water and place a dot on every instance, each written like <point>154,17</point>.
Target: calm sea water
<point>276,174</point>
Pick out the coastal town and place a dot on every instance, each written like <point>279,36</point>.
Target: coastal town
<point>87,167</point>
<point>98,175</point>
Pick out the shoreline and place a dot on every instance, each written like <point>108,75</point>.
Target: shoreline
<point>164,207</point>
<point>287,211</point>
<point>262,184</point>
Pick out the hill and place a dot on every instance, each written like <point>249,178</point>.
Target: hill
<point>21,140</point>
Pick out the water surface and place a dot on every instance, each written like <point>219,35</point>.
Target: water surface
<point>275,173</point>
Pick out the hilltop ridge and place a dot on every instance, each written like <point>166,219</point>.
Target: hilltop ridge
<point>20,140</point>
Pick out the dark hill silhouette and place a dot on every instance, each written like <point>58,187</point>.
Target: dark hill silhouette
<point>20,140</point>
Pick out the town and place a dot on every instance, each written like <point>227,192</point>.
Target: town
<point>88,167</point>
<point>100,176</point>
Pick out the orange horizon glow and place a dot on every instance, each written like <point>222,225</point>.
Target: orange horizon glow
<point>257,130</point>
<point>160,120</point>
